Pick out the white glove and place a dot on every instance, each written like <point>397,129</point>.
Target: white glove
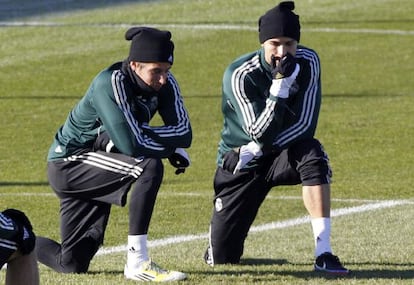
<point>246,154</point>
<point>280,87</point>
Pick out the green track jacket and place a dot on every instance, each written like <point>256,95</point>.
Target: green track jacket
<point>116,103</point>
<point>274,123</point>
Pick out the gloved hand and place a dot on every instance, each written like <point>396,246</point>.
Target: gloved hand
<point>247,153</point>
<point>25,237</point>
<point>104,142</point>
<point>284,73</point>
<point>180,160</point>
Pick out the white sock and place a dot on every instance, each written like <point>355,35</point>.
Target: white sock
<point>322,235</point>
<point>137,251</point>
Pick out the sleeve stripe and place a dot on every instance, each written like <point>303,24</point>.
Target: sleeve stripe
<point>255,126</point>
<point>6,226</point>
<point>6,223</point>
<point>237,85</point>
<point>309,102</point>
<point>121,100</point>
<point>183,126</point>
<point>8,244</point>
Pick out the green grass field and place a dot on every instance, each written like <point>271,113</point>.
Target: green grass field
<point>50,51</point>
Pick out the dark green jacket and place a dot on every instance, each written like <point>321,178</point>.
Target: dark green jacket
<point>251,115</point>
<point>119,103</point>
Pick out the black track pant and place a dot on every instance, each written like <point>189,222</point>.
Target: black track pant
<point>239,196</point>
<point>87,185</point>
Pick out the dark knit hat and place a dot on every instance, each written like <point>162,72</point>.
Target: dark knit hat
<point>150,45</point>
<point>279,21</point>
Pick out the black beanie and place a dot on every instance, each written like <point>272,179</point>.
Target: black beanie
<point>279,21</point>
<point>150,45</point>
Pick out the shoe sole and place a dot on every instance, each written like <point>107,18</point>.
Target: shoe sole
<point>332,272</point>
<point>177,276</point>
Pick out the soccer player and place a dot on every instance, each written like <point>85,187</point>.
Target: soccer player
<point>270,101</point>
<point>17,242</point>
<point>109,145</point>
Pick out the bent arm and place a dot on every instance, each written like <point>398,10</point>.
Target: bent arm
<point>124,130</point>
<point>176,131</point>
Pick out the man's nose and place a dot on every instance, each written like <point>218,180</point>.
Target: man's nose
<point>281,51</point>
<point>163,78</point>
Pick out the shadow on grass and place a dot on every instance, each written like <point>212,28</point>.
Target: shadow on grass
<point>262,261</point>
<point>13,10</point>
<point>101,272</point>
<point>22,183</point>
<point>387,271</point>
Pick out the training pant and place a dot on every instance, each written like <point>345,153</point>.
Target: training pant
<point>87,185</point>
<point>239,196</point>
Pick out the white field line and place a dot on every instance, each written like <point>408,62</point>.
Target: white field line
<point>208,27</point>
<point>265,227</point>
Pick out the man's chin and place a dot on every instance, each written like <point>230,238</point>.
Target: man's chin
<point>156,88</point>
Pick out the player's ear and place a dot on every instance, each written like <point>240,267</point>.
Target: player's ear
<point>133,64</point>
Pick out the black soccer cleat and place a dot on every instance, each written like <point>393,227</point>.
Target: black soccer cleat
<point>329,263</point>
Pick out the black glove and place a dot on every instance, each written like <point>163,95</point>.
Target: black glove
<point>25,238</point>
<point>284,72</point>
<point>180,160</point>
<point>230,160</point>
<point>283,67</point>
<point>104,142</point>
